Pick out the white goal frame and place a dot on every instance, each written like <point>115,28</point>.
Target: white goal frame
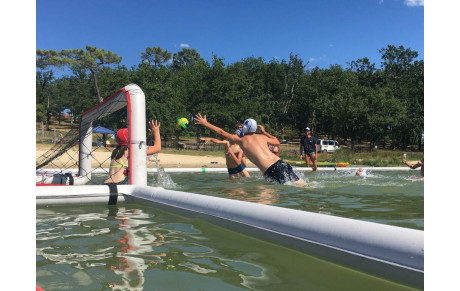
<point>133,97</point>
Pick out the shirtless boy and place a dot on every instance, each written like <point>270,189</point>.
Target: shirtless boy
<point>233,157</point>
<point>255,147</point>
<point>419,164</point>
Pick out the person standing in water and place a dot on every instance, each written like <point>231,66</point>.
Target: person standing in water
<point>119,158</point>
<point>255,147</point>
<point>310,148</point>
<point>233,157</point>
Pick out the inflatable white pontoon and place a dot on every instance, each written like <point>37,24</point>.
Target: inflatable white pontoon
<point>389,252</point>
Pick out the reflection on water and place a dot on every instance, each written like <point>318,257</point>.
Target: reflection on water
<point>255,193</point>
<point>132,247</point>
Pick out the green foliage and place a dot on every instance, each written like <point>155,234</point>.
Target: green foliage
<point>383,106</point>
<point>155,56</point>
<point>93,59</point>
<point>40,113</point>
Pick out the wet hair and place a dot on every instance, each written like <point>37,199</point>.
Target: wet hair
<point>118,152</point>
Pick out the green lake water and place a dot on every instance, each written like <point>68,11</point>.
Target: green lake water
<point>137,247</point>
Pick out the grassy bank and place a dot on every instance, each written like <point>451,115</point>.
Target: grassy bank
<point>377,158</point>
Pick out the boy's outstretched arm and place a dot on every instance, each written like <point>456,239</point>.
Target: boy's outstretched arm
<point>214,140</point>
<point>201,120</point>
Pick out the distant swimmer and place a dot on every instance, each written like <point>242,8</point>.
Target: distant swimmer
<point>416,165</point>
<point>255,147</point>
<point>361,172</point>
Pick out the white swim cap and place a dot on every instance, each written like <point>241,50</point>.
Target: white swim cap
<point>249,126</point>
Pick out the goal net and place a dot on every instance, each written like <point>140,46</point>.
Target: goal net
<point>82,156</point>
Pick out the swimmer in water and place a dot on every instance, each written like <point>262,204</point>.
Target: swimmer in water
<point>255,147</point>
<point>419,164</point>
<point>361,172</point>
<point>233,157</point>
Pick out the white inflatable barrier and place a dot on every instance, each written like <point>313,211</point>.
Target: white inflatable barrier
<point>85,194</point>
<point>61,178</point>
<point>390,252</point>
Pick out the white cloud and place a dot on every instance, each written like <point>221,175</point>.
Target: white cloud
<point>414,2</point>
<point>184,45</point>
<point>312,59</point>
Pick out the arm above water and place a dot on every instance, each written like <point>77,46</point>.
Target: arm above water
<point>412,166</point>
<point>201,120</point>
<point>271,139</point>
<point>155,130</point>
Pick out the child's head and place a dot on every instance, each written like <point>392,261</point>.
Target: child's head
<point>122,137</point>
<point>239,132</point>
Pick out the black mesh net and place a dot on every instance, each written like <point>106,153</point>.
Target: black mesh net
<point>62,159</point>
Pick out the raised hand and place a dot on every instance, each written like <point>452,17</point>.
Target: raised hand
<point>154,126</point>
<point>200,119</point>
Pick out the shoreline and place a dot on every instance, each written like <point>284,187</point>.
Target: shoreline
<point>166,161</point>
<point>102,158</point>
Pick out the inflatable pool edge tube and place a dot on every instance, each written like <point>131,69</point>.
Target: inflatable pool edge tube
<point>386,251</point>
<point>86,194</point>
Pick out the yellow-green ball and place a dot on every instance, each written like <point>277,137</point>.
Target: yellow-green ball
<point>182,123</point>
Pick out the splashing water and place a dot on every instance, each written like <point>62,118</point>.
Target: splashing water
<point>163,179</point>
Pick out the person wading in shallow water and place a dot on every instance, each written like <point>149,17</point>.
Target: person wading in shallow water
<point>233,157</point>
<point>255,147</point>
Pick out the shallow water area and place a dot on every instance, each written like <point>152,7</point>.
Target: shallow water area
<point>135,247</point>
<point>386,197</point>
<point>138,247</point>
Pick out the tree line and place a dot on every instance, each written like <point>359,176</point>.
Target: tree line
<point>383,106</point>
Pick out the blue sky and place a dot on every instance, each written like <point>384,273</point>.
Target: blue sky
<point>322,33</point>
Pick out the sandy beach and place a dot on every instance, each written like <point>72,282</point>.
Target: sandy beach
<point>102,157</point>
